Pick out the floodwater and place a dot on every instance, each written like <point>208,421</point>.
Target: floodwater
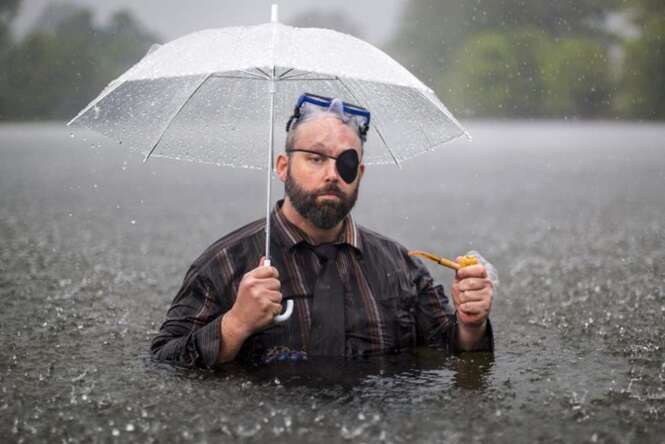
<point>94,245</point>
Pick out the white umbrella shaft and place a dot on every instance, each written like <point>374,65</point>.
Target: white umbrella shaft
<point>271,142</point>
<point>289,304</point>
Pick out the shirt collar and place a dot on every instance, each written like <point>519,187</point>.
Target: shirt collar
<point>289,235</point>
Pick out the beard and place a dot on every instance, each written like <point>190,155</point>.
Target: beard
<point>324,215</point>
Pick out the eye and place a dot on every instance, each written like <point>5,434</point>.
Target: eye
<point>316,159</point>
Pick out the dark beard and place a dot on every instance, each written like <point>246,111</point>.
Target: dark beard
<point>325,215</point>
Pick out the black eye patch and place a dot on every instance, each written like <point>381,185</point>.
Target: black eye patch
<point>347,165</point>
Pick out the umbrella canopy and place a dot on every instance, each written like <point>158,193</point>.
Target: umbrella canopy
<point>206,96</point>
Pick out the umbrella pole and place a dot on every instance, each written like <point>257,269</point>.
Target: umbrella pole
<point>289,303</point>
<point>271,144</point>
<point>273,89</point>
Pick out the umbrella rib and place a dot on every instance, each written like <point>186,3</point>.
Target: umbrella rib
<point>267,76</point>
<point>174,115</point>
<point>309,79</point>
<point>224,76</point>
<point>282,75</point>
<point>376,128</point>
<point>256,76</point>
<point>299,75</point>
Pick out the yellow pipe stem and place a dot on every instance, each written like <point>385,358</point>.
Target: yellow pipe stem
<point>466,260</point>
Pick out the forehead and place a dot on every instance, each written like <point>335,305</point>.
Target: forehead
<point>327,134</point>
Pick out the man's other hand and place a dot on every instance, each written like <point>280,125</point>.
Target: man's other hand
<point>258,301</point>
<point>472,295</point>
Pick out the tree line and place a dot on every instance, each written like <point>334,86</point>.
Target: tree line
<point>539,58</point>
<point>65,61</point>
<point>488,58</point>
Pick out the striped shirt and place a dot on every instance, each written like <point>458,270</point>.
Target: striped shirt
<point>391,303</point>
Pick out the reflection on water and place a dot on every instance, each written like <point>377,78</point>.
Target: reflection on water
<point>94,245</point>
<point>427,368</point>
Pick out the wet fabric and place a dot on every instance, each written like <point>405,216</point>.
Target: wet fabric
<point>327,336</point>
<point>390,304</point>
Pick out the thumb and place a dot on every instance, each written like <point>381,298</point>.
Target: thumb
<point>457,259</point>
<point>261,261</point>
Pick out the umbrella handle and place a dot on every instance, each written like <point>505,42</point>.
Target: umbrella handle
<point>289,304</point>
<point>287,314</point>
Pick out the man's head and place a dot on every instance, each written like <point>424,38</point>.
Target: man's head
<point>310,169</point>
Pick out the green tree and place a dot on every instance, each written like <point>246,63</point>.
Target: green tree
<point>499,73</point>
<point>431,32</point>
<point>576,79</point>
<point>8,9</point>
<point>57,70</point>
<point>643,81</point>
<point>528,73</point>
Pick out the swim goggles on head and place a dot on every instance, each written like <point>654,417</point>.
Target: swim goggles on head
<point>346,163</point>
<point>310,104</point>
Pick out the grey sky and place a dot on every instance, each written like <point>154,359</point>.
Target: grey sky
<point>173,18</point>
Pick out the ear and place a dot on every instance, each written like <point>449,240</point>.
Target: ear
<point>361,171</point>
<point>281,166</point>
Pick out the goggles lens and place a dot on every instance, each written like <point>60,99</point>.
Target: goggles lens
<point>309,104</point>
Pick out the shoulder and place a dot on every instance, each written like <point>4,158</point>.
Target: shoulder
<point>376,241</point>
<point>384,250</point>
<point>231,244</point>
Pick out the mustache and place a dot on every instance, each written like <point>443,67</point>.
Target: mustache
<point>330,189</point>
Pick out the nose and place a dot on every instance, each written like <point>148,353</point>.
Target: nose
<point>330,171</point>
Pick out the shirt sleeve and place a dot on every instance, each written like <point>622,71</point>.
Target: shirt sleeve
<point>191,334</point>
<point>436,322</point>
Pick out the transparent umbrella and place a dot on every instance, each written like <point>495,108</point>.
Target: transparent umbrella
<point>212,95</point>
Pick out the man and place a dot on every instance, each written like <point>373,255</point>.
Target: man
<point>355,292</point>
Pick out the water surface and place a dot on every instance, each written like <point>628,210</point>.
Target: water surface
<point>94,245</point>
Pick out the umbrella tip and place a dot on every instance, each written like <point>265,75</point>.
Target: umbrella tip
<point>274,13</point>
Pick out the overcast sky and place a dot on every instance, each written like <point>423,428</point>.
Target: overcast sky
<point>173,18</point>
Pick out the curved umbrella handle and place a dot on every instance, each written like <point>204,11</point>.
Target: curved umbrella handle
<point>289,304</point>
<point>287,314</point>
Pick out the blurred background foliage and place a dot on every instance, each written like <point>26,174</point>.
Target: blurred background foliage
<point>484,58</point>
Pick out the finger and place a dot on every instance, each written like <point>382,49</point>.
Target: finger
<point>468,284</point>
<point>274,297</point>
<point>269,283</point>
<point>477,271</point>
<point>276,309</point>
<point>475,296</point>
<point>265,272</point>
<point>473,308</point>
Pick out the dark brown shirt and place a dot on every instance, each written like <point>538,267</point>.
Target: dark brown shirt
<point>391,303</point>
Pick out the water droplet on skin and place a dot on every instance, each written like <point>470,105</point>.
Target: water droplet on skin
<point>130,427</point>
<point>115,432</point>
<point>133,222</point>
